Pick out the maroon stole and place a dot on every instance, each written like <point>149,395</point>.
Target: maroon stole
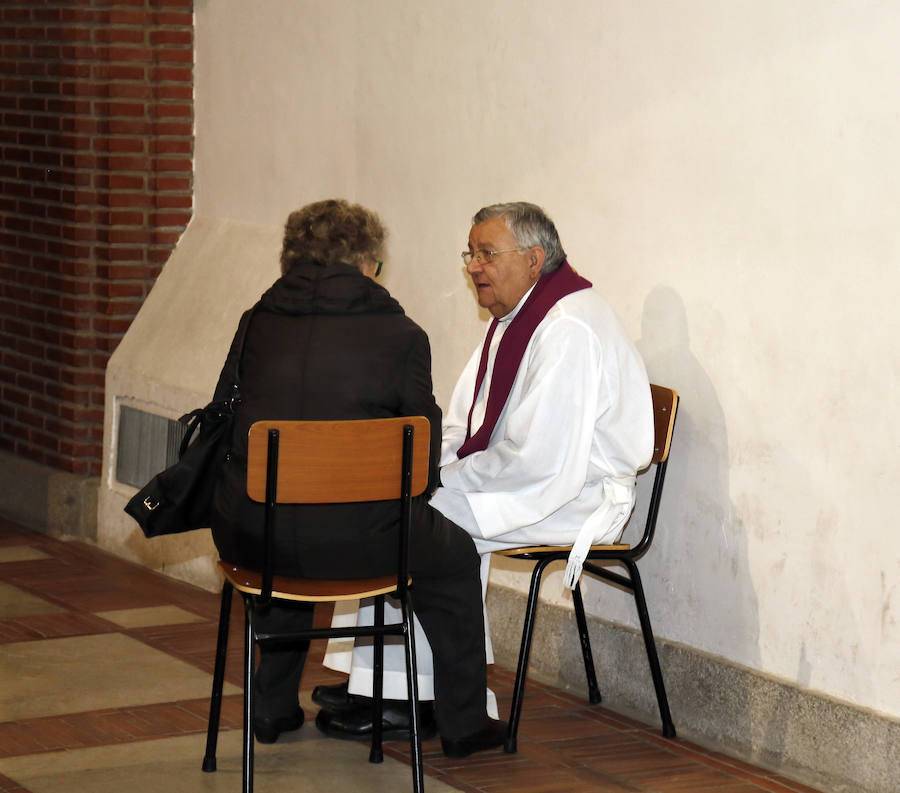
<point>549,288</point>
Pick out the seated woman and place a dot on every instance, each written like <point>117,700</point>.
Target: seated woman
<point>327,342</point>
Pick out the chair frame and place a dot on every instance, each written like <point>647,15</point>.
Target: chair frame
<point>665,408</point>
<point>316,468</point>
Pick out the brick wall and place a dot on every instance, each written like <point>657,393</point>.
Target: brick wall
<point>96,135</point>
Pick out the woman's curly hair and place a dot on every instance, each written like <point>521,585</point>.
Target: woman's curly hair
<point>331,232</point>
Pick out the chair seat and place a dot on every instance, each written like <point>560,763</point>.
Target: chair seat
<point>542,549</point>
<point>311,590</point>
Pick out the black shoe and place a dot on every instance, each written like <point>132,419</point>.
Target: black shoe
<point>337,699</point>
<point>492,735</point>
<point>268,730</point>
<point>356,724</point>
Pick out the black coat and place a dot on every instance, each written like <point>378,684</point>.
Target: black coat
<point>323,343</point>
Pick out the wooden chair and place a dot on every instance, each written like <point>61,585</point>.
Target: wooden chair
<point>310,462</point>
<point>665,406</point>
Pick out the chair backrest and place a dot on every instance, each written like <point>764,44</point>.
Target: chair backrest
<point>335,462</point>
<point>665,406</point>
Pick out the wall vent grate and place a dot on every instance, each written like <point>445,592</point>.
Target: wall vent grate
<point>147,444</point>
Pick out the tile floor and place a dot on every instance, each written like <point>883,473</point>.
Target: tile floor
<point>105,673</point>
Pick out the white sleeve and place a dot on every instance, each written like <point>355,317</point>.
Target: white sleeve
<point>455,423</point>
<point>542,462</point>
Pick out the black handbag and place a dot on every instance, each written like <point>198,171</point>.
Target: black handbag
<point>181,497</point>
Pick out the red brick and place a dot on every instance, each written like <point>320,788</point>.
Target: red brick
<point>174,128</point>
<point>140,90</point>
<point>128,199</point>
<point>119,254</point>
<point>159,256</point>
<point>30,383</point>
<point>32,418</point>
<point>174,18</point>
<point>33,104</point>
<point>117,71</point>
<point>15,14</point>
<point>71,192</point>
<point>129,163</point>
<point>122,182</point>
<point>119,109</point>
<point>123,308</point>
<point>51,159</point>
<point>16,120</point>
<point>172,110</point>
<point>125,218</point>
<point>69,69</point>
<point>102,325</point>
<point>172,164</point>
<point>171,146</point>
<point>32,210</point>
<point>82,303</point>
<point>69,107</point>
<point>125,271</point>
<point>46,51</point>
<point>87,125</point>
<point>119,236</point>
<point>175,56</point>
<point>183,92</point>
<point>122,144</point>
<point>48,407</point>
<point>119,35</point>
<point>15,51</point>
<point>171,74</point>
<point>126,54</point>
<point>80,413</point>
<point>31,68</point>
<point>174,201</point>
<point>85,161</point>
<point>69,285</point>
<point>14,395</point>
<point>170,218</point>
<point>69,33</point>
<point>168,182</point>
<point>185,37</point>
<point>32,139</point>
<point>119,126</point>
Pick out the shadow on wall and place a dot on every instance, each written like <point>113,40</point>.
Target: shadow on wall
<point>700,591</point>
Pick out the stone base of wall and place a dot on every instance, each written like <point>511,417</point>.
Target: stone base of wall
<point>819,741</point>
<point>47,500</point>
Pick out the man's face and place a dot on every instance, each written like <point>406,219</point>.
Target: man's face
<point>502,282</point>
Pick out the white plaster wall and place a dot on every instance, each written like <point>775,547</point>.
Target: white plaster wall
<point>725,171</point>
<point>168,364</point>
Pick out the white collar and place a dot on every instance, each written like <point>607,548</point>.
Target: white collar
<point>512,314</point>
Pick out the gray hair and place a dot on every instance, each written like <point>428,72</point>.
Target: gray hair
<point>531,227</point>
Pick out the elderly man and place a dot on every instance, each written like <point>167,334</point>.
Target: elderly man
<point>548,425</point>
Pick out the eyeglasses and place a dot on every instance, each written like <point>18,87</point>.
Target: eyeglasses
<point>483,257</point>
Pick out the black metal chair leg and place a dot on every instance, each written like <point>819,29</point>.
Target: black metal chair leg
<point>515,710</point>
<point>249,647</point>
<point>215,699</point>
<point>412,693</point>
<point>376,754</point>
<point>668,727</point>
<point>593,689</point>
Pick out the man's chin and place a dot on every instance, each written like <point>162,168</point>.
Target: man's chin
<point>485,298</point>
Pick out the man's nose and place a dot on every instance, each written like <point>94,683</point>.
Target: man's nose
<point>473,266</point>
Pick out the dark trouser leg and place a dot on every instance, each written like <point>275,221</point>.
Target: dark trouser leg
<point>446,597</point>
<point>277,678</point>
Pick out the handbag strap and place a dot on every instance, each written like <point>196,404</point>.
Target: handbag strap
<point>193,419</point>
<point>245,327</point>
